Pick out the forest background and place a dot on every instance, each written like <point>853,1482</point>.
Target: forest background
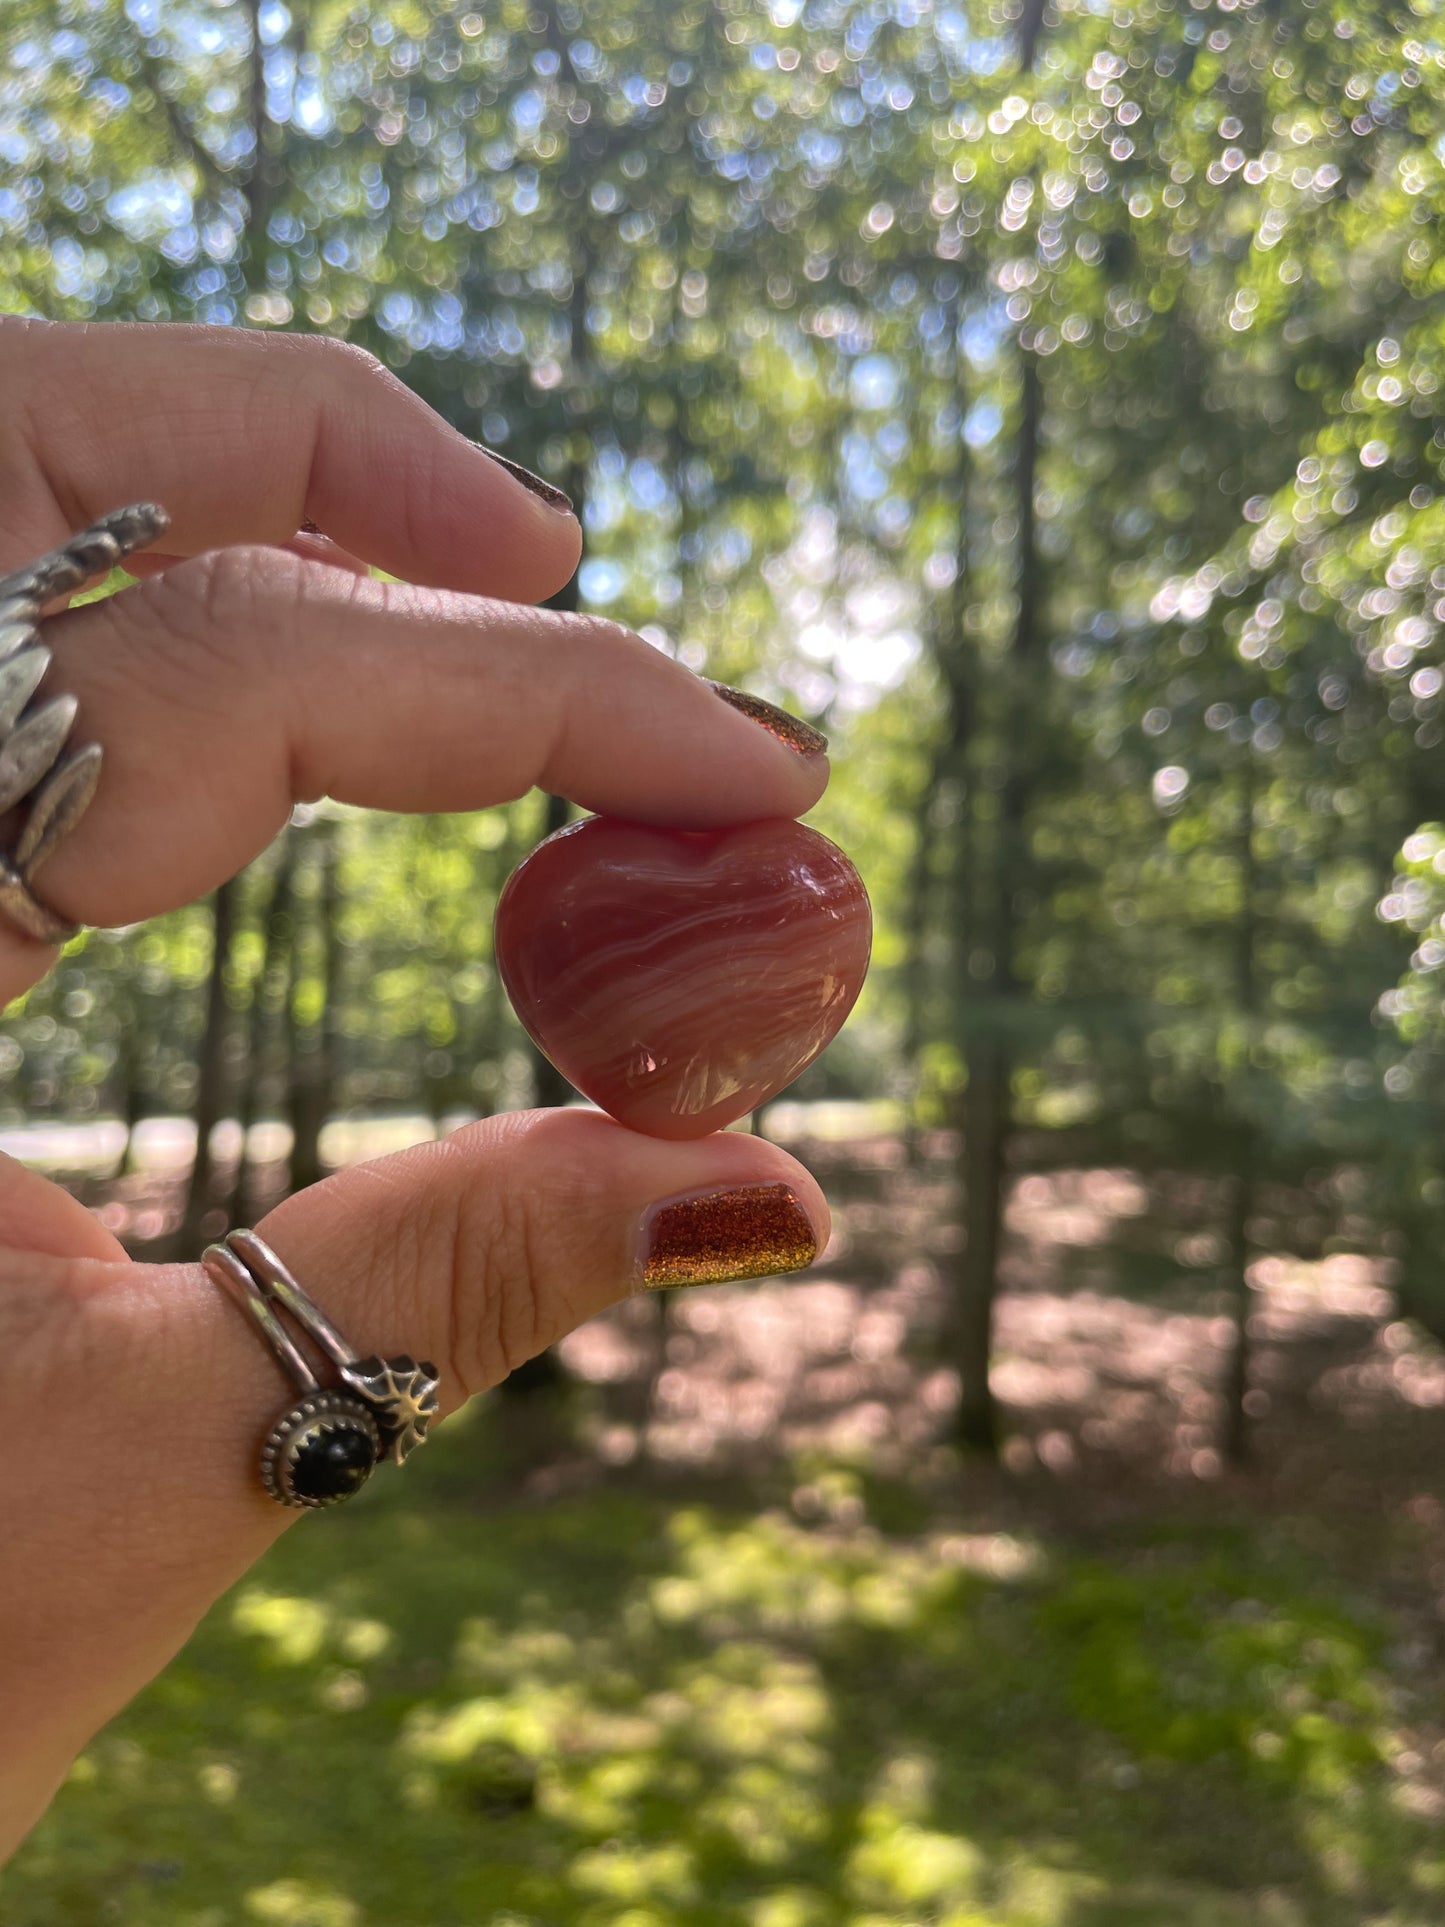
<point>1043,400</point>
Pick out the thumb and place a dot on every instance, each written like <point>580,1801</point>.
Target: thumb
<point>140,1395</point>
<point>495,1242</point>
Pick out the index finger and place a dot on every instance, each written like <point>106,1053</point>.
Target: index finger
<point>244,680</point>
<point>245,437</point>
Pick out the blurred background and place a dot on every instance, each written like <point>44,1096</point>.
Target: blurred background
<point>1043,399</point>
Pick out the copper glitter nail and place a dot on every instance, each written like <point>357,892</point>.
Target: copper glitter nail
<point>787,728</point>
<point>548,492</point>
<point>752,1231</point>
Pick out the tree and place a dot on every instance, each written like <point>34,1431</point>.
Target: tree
<point>213,1072</point>
<point>1080,363</point>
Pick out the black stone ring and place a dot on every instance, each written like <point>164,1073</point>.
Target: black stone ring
<point>326,1446</point>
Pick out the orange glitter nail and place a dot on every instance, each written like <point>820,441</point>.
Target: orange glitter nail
<point>751,1231</point>
<point>787,728</point>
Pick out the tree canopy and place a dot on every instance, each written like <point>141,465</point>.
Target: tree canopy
<point>1041,397</point>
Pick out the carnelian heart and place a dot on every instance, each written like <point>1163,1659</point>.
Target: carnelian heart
<point>680,978</point>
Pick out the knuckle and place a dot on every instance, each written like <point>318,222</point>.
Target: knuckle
<point>205,578</point>
<point>591,633</point>
<point>496,1271</point>
<point>516,1246</point>
<point>209,592</point>
<point>213,626</point>
<point>186,619</point>
<point>588,646</point>
<point>585,642</point>
<point>207,600</point>
<point>351,363</point>
<point>38,1314</point>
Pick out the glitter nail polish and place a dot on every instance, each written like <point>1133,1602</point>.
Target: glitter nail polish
<point>554,497</point>
<point>749,1231</point>
<point>788,729</point>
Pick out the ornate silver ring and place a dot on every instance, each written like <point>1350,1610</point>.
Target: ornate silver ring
<point>325,1446</point>
<point>36,768</point>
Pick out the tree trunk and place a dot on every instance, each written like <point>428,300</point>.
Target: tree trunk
<point>268,991</point>
<point>435,1088</point>
<point>134,1052</point>
<point>1240,1193</point>
<point>1030,26</point>
<point>313,1067</point>
<point>542,1379</point>
<point>262,176</point>
<point>918,920</point>
<point>544,1374</point>
<point>983,1151</point>
<point>211,1071</point>
<point>1239,1208</point>
<point>549,1087</point>
<point>989,947</point>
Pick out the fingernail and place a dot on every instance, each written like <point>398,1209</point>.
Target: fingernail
<point>555,498</point>
<point>788,729</point>
<point>709,1237</point>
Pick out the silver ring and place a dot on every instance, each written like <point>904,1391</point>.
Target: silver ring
<point>326,1445</point>
<point>35,766</point>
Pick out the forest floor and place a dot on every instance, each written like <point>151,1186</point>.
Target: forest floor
<point>742,1639</point>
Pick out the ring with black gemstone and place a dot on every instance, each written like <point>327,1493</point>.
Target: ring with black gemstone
<point>328,1442</point>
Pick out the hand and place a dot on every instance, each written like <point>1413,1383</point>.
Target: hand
<point>253,667</point>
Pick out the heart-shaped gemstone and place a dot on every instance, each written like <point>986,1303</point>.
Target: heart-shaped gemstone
<point>680,978</point>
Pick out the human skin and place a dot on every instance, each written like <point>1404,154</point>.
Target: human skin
<point>253,667</point>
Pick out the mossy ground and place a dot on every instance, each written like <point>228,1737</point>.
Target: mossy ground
<point>639,1707</point>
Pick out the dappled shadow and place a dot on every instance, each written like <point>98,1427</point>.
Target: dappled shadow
<point>1107,1684</point>
<point>621,1712</point>
<point>854,1358</point>
<point>1113,1339</point>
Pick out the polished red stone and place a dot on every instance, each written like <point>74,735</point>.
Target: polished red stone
<point>680,978</point>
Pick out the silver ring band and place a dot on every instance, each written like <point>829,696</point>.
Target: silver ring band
<point>325,1446</point>
<point>36,768</point>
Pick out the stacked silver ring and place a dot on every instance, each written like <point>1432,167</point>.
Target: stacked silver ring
<point>36,767</point>
<point>325,1446</point>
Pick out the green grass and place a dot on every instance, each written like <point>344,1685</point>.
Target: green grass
<point>621,1711</point>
